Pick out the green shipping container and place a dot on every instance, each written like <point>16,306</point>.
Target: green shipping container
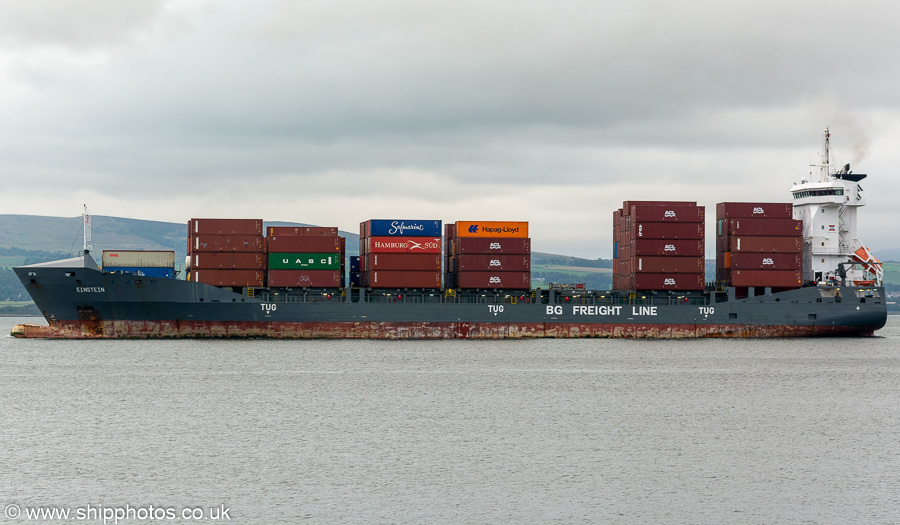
<point>304,261</point>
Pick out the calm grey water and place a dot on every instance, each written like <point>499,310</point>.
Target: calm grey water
<point>548,431</point>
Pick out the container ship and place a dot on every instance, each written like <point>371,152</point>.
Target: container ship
<point>782,270</point>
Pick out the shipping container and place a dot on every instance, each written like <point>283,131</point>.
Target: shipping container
<point>665,281</point>
<point>767,278</point>
<point>402,261</point>
<point>225,226</point>
<point>234,278</point>
<point>304,261</point>
<point>228,260</point>
<point>754,210</point>
<point>645,213</point>
<point>227,243</point>
<point>162,272</point>
<point>449,231</point>
<point>759,244</point>
<point>303,244</point>
<point>626,206</point>
<point>304,278</point>
<point>764,261</point>
<point>493,263</point>
<point>760,227</point>
<point>474,245</point>
<point>306,231</point>
<point>668,265</point>
<point>401,228</point>
<point>492,229</point>
<point>660,230</point>
<point>494,280</point>
<point>723,260</point>
<point>400,245</point>
<point>401,279</point>
<point>660,247</point>
<point>354,263</point>
<point>139,258</point>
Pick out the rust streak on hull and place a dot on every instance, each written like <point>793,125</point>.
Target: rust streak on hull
<point>414,330</point>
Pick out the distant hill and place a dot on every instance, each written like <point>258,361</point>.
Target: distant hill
<point>64,234</point>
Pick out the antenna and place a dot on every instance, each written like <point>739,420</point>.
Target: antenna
<point>87,231</point>
<point>824,157</point>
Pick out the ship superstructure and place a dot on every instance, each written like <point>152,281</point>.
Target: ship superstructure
<point>827,202</point>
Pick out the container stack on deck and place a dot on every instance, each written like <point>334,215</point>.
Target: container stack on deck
<point>658,245</point>
<point>305,257</point>
<point>226,252</point>
<point>400,253</point>
<point>758,244</point>
<point>489,255</point>
<point>149,263</point>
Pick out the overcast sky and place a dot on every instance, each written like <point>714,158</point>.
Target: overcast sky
<point>334,112</point>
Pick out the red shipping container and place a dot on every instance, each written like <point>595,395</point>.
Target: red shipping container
<point>303,244</point>
<point>493,263</point>
<point>475,245</point>
<point>304,278</point>
<point>669,265</point>
<point>226,243</point>
<point>644,213</point>
<point>228,260</point>
<point>401,245</point>
<point>767,278</point>
<point>242,278</point>
<point>450,231</point>
<point>664,281</point>
<point>626,206</point>
<point>658,247</point>
<point>761,227</point>
<point>764,261</point>
<point>494,280</point>
<point>401,279</point>
<point>400,261</point>
<point>225,227</point>
<point>763,244</point>
<point>660,230</point>
<point>754,210</point>
<point>308,231</point>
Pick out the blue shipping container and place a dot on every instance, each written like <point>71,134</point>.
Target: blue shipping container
<point>354,263</point>
<point>405,228</point>
<point>146,271</point>
<point>616,250</point>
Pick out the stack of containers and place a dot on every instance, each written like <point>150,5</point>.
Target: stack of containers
<point>658,245</point>
<point>758,244</point>
<point>490,255</point>
<point>305,257</point>
<point>139,262</point>
<point>400,253</point>
<point>449,239</point>
<point>226,252</point>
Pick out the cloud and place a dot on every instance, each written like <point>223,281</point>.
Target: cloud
<point>335,112</point>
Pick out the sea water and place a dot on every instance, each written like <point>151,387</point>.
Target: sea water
<point>538,431</point>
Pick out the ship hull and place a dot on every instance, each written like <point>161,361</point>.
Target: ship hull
<point>82,302</point>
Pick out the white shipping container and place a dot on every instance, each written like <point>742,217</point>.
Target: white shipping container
<point>138,258</point>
